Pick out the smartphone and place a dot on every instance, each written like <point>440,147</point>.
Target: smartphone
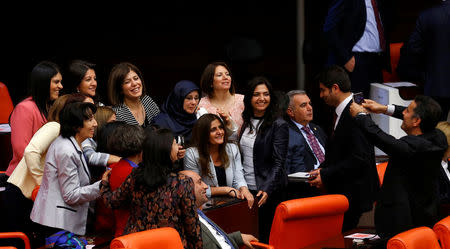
<point>180,140</point>
<point>358,98</point>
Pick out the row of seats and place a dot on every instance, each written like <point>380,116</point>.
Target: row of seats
<point>302,217</point>
<point>423,237</point>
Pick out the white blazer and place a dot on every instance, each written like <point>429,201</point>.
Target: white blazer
<point>234,172</point>
<point>65,192</point>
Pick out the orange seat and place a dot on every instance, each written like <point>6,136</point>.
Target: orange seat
<point>395,57</point>
<point>161,238</point>
<point>296,222</point>
<point>416,238</point>
<point>381,169</point>
<point>442,230</point>
<point>16,235</point>
<point>6,104</point>
<point>35,192</point>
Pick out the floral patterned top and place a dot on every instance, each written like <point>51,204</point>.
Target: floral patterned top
<point>171,205</point>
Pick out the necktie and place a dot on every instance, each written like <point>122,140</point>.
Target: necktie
<point>314,144</point>
<point>379,25</point>
<point>215,227</point>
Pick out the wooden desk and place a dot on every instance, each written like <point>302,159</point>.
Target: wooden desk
<point>233,214</point>
<point>340,242</point>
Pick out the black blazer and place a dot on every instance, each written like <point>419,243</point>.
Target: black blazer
<point>309,159</point>
<point>408,197</point>
<point>269,155</point>
<point>349,167</point>
<point>429,48</point>
<point>344,26</point>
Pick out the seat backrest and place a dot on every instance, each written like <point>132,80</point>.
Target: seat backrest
<point>17,235</point>
<point>442,230</point>
<point>381,169</point>
<point>6,104</point>
<point>416,238</point>
<point>395,57</point>
<point>161,238</point>
<point>301,222</point>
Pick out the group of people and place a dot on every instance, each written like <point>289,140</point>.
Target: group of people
<point>71,149</point>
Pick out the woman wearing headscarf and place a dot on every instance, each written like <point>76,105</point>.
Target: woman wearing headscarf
<point>178,111</point>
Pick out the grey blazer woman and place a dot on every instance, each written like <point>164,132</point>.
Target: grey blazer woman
<point>65,192</point>
<point>234,172</point>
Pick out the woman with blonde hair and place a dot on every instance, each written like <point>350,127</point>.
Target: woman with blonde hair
<point>103,115</point>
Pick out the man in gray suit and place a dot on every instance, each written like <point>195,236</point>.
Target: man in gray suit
<point>213,236</point>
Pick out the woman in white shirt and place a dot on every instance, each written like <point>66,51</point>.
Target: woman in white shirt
<point>215,160</point>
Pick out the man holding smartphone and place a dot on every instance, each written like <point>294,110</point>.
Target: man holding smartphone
<point>349,166</point>
<point>408,196</point>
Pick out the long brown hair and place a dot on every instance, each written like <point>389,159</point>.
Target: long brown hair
<point>200,140</point>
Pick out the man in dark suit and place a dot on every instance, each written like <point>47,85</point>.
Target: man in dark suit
<point>306,150</point>
<point>429,48</point>
<point>356,32</point>
<point>408,196</point>
<point>349,166</point>
<point>212,235</point>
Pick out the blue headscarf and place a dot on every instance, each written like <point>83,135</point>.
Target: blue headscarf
<point>172,114</point>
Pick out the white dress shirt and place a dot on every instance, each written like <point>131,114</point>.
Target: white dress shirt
<point>340,108</point>
<point>223,243</point>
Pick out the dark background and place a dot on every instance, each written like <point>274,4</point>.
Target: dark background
<point>172,40</point>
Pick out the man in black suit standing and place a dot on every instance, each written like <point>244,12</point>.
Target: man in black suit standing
<point>349,166</point>
<point>356,32</point>
<point>429,48</point>
<point>307,141</point>
<point>408,196</point>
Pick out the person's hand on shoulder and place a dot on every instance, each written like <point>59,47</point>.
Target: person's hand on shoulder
<point>105,176</point>
<point>355,109</point>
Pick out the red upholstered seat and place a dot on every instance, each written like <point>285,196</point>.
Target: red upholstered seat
<point>18,235</point>
<point>6,104</point>
<point>296,222</point>
<point>442,230</point>
<point>416,238</point>
<point>161,238</point>
<point>395,57</point>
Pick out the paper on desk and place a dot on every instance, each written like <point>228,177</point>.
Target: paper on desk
<point>299,175</point>
<point>5,128</point>
<point>400,84</point>
<point>362,236</point>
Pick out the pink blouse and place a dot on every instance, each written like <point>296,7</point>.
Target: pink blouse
<point>25,120</point>
<point>236,110</point>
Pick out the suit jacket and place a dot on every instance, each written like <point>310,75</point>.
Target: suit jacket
<point>65,192</point>
<point>209,242</point>
<point>269,156</point>
<point>344,26</point>
<point>408,196</point>
<point>444,186</point>
<point>300,156</point>
<point>429,47</point>
<point>234,172</point>
<point>349,167</point>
